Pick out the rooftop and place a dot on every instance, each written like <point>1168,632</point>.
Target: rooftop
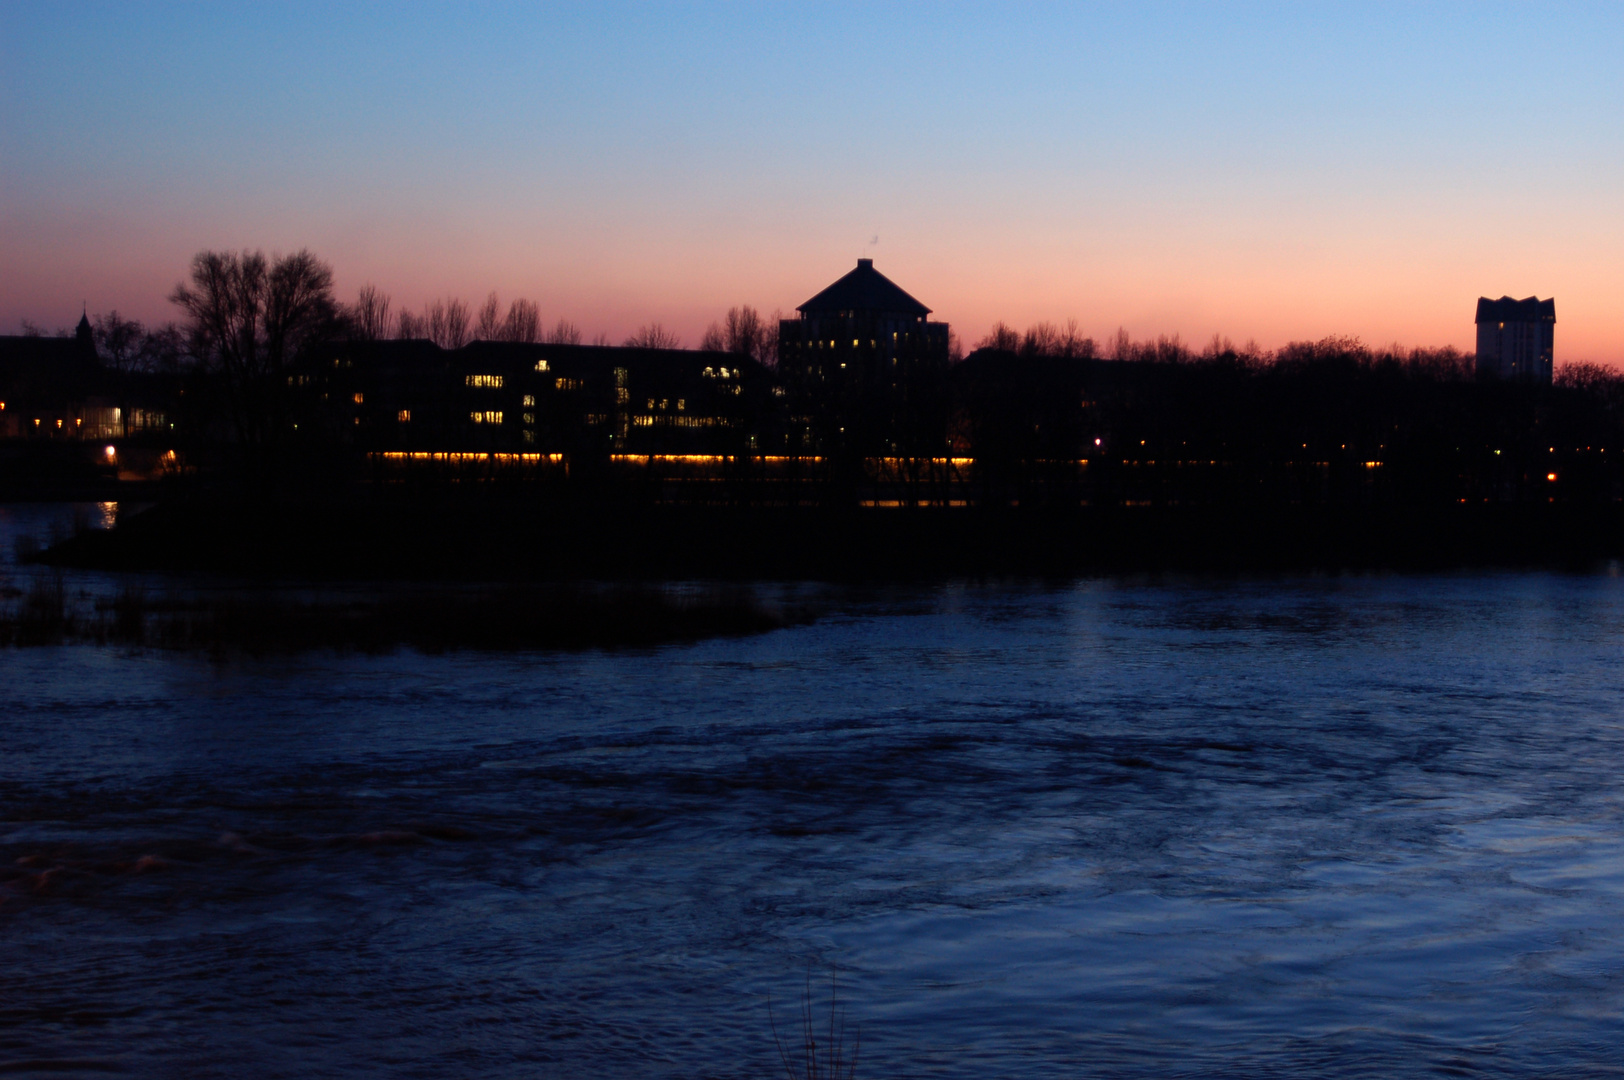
<point>1505,310</point>
<point>865,289</point>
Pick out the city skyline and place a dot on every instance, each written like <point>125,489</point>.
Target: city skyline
<point>1272,174</point>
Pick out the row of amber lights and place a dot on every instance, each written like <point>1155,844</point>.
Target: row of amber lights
<point>681,459</point>
<point>698,459</point>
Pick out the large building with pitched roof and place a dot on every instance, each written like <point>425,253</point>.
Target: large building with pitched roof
<point>864,364</point>
<point>1514,338</point>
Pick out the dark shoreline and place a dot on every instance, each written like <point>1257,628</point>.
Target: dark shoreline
<point>478,538</point>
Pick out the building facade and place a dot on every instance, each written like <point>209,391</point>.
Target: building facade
<point>865,370</point>
<point>1514,338</point>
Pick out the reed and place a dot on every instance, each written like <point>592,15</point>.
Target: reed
<point>810,1060</point>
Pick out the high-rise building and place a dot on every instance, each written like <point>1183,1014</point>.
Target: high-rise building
<point>1514,338</point>
<point>865,368</point>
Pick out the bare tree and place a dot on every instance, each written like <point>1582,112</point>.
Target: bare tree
<point>523,322</point>
<point>653,336</point>
<point>489,325</point>
<point>564,332</point>
<point>369,317</point>
<point>249,320</point>
<point>601,339</point>
<point>447,323</point>
<point>119,341</point>
<point>409,326</point>
<point>743,333</point>
<point>1122,345</point>
<point>1002,336</point>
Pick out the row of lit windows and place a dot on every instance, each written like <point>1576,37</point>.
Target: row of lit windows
<point>681,421</point>
<point>488,416</point>
<point>493,382</point>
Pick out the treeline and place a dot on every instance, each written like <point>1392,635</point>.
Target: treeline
<point>1064,341</point>
<point>1047,414</point>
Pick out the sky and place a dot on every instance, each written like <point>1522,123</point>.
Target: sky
<point>1263,172</point>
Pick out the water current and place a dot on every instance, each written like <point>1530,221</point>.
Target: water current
<point>1307,826</point>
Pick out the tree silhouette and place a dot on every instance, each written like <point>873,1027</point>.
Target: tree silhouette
<point>653,336</point>
<point>249,322</point>
<point>564,332</point>
<point>446,323</point>
<point>523,322</point>
<point>369,318</point>
<point>489,326</point>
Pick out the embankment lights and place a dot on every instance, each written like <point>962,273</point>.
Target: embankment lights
<point>1551,476</point>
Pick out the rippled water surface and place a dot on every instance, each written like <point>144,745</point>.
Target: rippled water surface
<point>1307,827</point>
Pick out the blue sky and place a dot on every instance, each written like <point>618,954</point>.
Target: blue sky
<point>1268,172</point>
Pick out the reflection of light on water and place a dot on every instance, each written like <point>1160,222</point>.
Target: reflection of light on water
<point>107,514</point>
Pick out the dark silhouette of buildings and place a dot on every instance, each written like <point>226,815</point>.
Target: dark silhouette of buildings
<point>865,371</point>
<point>1514,338</point>
<point>864,408</point>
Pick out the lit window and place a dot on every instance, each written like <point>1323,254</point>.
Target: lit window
<point>529,401</point>
<point>489,416</point>
<point>530,418</point>
<point>493,382</point>
<point>404,416</point>
<point>681,404</point>
<point>359,398</point>
<point>568,384</point>
<point>541,365</point>
<point>530,436</point>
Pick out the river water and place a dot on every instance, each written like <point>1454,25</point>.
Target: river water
<point>1333,826</point>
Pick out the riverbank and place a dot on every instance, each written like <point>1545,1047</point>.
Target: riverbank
<point>446,537</point>
<point>279,620</point>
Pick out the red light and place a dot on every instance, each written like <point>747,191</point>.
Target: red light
<point>1550,476</point>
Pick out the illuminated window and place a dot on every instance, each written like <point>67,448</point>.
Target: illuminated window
<point>359,398</point>
<point>541,365</point>
<point>489,416</point>
<point>404,416</point>
<point>530,436</point>
<point>568,384</point>
<point>493,382</point>
<point>529,401</point>
<point>530,418</point>
<point>681,404</point>
<point>620,376</point>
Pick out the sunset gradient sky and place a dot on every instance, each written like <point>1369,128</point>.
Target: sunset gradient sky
<point>1269,172</point>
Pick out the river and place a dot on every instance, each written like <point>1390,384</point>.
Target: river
<point>1125,827</point>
